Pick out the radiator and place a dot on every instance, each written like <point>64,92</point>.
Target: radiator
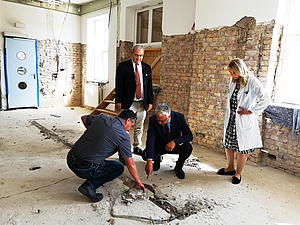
<point>93,95</point>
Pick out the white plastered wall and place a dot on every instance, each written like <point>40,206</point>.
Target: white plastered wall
<point>178,16</point>
<point>40,24</point>
<point>215,13</point>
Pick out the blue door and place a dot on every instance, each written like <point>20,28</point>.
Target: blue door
<point>21,73</point>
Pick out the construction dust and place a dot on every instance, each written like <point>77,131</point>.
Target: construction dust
<point>49,134</point>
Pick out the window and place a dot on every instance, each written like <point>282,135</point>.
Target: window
<point>97,49</point>
<point>149,25</point>
<point>287,90</point>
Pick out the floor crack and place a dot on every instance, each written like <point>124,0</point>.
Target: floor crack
<point>35,189</point>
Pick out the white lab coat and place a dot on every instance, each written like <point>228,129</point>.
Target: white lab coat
<point>247,129</point>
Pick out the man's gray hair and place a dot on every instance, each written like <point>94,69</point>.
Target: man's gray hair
<point>138,47</point>
<point>163,109</point>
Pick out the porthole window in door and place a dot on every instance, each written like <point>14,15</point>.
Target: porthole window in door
<point>21,55</point>
<point>22,70</point>
<point>22,85</point>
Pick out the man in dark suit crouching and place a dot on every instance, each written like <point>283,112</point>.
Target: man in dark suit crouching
<point>168,133</point>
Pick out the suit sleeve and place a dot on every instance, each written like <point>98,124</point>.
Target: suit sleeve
<point>187,135</point>
<point>119,84</point>
<point>150,140</point>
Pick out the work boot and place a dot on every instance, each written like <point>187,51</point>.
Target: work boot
<point>89,192</point>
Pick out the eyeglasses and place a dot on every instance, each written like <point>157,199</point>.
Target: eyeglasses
<point>162,121</point>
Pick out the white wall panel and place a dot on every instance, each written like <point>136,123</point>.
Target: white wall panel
<point>215,13</point>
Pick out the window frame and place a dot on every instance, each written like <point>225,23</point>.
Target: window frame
<point>289,36</point>
<point>150,23</point>
<point>91,51</point>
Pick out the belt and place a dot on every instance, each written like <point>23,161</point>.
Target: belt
<point>84,163</point>
<point>81,161</point>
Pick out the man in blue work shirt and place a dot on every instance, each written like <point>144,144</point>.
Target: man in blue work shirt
<point>104,137</point>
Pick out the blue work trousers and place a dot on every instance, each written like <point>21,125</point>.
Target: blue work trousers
<point>96,174</point>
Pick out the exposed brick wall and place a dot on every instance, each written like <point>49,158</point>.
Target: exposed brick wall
<point>176,72</point>
<point>84,73</point>
<point>283,152</point>
<point>59,68</point>
<point>124,51</point>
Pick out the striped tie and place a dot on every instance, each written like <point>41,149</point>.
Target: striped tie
<point>138,83</point>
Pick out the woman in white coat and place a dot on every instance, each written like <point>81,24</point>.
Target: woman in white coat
<point>246,99</point>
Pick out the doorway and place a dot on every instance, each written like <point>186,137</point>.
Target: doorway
<point>21,75</point>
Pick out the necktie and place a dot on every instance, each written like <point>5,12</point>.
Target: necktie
<point>138,83</point>
<point>167,132</point>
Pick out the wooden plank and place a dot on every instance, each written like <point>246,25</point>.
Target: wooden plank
<point>155,61</point>
<point>109,101</point>
<point>107,112</point>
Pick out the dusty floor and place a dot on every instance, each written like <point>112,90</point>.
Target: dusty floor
<point>36,186</point>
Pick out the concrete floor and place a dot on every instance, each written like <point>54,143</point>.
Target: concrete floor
<point>36,186</point>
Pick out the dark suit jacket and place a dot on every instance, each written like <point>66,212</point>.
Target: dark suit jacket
<point>126,84</point>
<point>156,138</point>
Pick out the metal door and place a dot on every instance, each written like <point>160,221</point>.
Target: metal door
<point>21,73</point>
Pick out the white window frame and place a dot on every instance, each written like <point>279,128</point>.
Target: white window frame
<point>93,41</point>
<point>150,9</point>
<point>287,78</point>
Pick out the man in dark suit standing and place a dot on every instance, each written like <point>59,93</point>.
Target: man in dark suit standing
<point>168,133</point>
<point>134,91</point>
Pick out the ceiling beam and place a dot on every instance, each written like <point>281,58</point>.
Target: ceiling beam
<point>97,5</point>
<point>68,7</point>
<point>63,7</point>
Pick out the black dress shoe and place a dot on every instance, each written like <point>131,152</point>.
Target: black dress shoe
<point>89,192</point>
<point>179,172</point>
<point>138,151</point>
<point>156,164</point>
<point>222,172</point>
<point>236,180</point>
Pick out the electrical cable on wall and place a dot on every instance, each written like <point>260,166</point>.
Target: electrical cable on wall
<point>110,6</point>
<point>57,42</point>
<point>64,20</point>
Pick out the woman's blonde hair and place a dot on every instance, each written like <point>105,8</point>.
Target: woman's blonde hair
<point>240,69</point>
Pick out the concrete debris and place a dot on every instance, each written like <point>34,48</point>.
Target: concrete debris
<point>132,195</point>
<point>193,161</point>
